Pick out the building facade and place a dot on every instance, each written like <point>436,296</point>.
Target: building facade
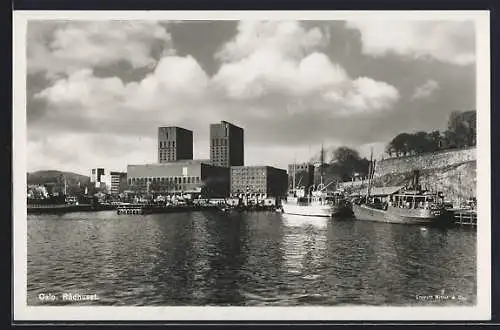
<point>258,180</point>
<point>180,177</point>
<point>100,179</point>
<point>174,143</point>
<point>118,182</point>
<point>304,175</point>
<point>226,145</point>
<point>96,174</point>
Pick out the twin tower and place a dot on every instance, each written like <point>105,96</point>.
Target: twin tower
<point>226,144</point>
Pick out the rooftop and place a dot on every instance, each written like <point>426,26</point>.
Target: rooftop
<point>258,166</point>
<point>177,127</point>
<point>380,191</point>
<point>225,122</point>
<point>175,162</point>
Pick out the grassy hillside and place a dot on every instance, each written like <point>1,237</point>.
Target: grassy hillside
<point>52,176</point>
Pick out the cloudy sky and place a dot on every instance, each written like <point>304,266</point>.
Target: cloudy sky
<point>98,90</point>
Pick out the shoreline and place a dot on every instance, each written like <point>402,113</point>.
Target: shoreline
<point>66,208</point>
<point>131,209</point>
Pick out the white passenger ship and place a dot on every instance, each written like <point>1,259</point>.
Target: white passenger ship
<point>315,205</point>
<point>317,202</point>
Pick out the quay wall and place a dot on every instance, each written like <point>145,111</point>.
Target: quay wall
<point>452,172</point>
<point>423,162</point>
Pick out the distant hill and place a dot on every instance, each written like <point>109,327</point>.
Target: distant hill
<point>52,176</point>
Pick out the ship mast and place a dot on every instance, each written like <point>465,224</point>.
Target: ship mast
<point>321,162</point>
<point>459,190</point>
<point>65,184</point>
<point>370,169</point>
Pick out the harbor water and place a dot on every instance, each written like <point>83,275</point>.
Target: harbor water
<point>246,259</point>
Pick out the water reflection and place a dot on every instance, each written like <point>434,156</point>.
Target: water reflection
<point>173,266</point>
<point>226,255</point>
<point>262,258</point>
<point>305,250</point>
<point>262,269</point>
<point>304,243</point>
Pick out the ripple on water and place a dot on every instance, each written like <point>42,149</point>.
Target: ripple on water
<point>250,259</point>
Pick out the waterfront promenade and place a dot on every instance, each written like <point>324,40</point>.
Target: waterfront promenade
<point>65,208</point>
<point>455,217</point>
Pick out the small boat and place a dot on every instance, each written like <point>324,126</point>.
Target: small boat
<point>411,205</point>
<point>405,206</point>
<point>317,202</point>
<point>231,208</point>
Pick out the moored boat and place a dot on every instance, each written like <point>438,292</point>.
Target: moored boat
<point>318,201</point>
<point>315,204</point>
<point>412,205</point>
<point>403,206</point>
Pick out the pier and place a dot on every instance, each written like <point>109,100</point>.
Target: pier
<point>151,208</point>
<point>465,217</point>
<point>65,208</point>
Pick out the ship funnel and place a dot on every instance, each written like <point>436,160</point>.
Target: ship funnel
<point>416,179</point>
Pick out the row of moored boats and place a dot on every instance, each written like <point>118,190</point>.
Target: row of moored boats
<point>409,205</point>
<point>396,205</point>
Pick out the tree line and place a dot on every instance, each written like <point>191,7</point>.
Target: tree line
<point>460,132</point>
<point>346,163</point>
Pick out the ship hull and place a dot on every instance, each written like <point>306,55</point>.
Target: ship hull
<point>394,215</point>
<point>309,210</point>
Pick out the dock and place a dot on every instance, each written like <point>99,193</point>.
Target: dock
<point>151,208</point>
<point>66,208</point>
<point>465,217</point>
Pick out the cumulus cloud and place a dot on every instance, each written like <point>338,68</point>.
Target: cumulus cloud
<point>65,47</point>
<point>425,90</point>
<point>81,151</point>
<point>283,58</point>
<point>106,110</point>
<point>447,41</point>
<point>273,76</point>
<point>176,80</point>
<point>285,37</point>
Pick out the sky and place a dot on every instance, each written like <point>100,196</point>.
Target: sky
<point>98,90</point>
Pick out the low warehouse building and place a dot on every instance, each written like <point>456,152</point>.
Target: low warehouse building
<point>181,177</point>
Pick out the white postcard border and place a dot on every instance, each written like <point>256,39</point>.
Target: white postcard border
<point>482,311</point>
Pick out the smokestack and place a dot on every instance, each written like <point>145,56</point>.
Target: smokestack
<point>416,179</point>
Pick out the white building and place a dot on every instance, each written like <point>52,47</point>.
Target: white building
<point>101,179</point>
